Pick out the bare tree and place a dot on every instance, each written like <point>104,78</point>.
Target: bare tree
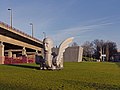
<point>88,49</point>
<point>101,47</point>
<point>74,44</point>
<point>111,49</point>
<point>98,48</point>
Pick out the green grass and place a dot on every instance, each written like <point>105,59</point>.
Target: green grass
<point>74,76</point>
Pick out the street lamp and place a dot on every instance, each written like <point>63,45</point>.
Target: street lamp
<point>32,28</point>
<point>10,16</point>
<point>44,34</point>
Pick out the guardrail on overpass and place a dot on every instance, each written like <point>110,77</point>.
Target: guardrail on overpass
<point>8,27</point>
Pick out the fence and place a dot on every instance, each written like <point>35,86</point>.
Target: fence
<point>18,60</point>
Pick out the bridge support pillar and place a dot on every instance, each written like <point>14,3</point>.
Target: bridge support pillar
<point>24,52</point>
<point>24,55</point>
<point>2,58</point>
<point>36,53</point>
<point>9,53</point>
<point>14,56</point>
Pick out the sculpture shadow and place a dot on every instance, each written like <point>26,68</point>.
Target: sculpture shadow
<point>24,66</point>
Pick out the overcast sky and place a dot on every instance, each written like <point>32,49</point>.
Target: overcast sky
<point>85,20</point>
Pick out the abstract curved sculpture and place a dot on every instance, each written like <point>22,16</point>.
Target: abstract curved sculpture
<point>54,60</point>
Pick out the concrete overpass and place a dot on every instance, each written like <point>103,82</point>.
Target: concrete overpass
<point>13,42</point>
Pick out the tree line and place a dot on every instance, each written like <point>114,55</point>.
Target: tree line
<point>99,49</point>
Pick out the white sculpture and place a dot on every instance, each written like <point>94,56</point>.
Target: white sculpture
<point>53,60</point>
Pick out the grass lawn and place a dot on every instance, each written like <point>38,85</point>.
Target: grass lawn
<point>74,76</point>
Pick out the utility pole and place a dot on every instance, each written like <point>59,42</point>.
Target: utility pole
<point>10,17</point>
<point>44,34</point>
<point>107,53</point>
<point>100,53</point>
<point>32,28</point>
